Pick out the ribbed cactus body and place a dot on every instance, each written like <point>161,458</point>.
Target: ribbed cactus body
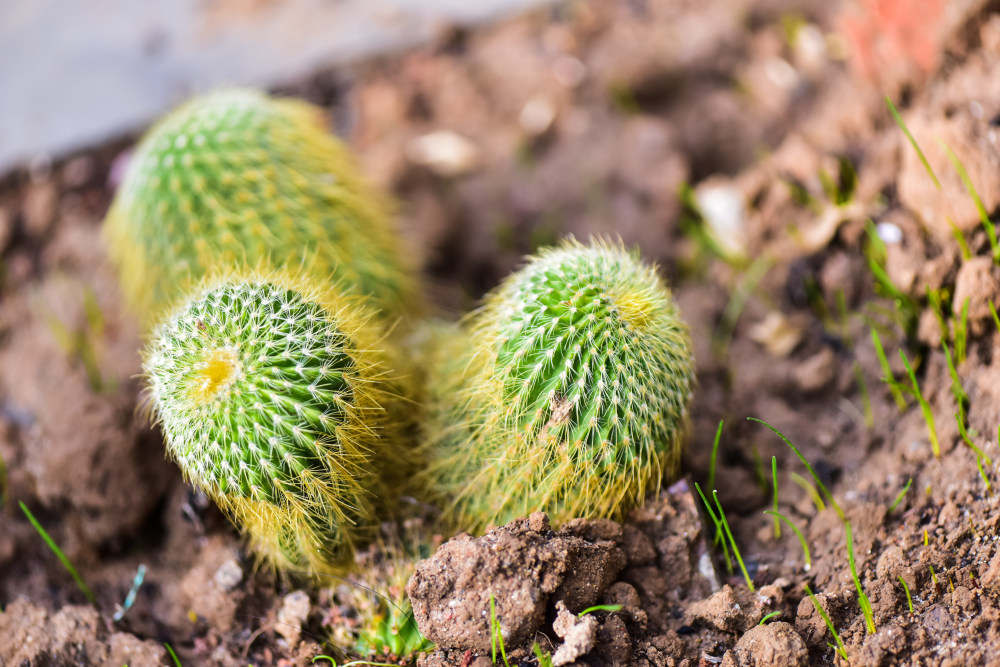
<point>274,397</point>
<point>236,178</point>
<point>566,392</point>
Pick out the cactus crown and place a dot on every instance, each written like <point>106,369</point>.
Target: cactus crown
<point>271,396</point>
<point>573,396</point>
<point>237,178</point>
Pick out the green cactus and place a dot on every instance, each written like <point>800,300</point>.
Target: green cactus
<point>566,392</point>
<point>236,178</point>
<point>276,398</point>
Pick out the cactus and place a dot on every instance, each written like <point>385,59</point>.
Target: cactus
<point>566,392</point>
<point>275,397</point>
<point>235,178</point>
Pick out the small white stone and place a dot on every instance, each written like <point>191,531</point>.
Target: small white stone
<point>889,233</point>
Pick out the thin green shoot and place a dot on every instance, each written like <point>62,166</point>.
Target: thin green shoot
<point>933,575</point>
<point>173,654</point>
<point>866,401</point>
<point>769,617</point>
<point>809,489</point>
<point>887,375</point>
<point>732,540</point>
<point>600,607</point>
<point>984,218</point>
<point>875,253</point>
<point>913,142</point>
<point>993,312</point>
<point>960,239</point>
<point>87,593</point>
<point>925,408</point>
<point>841,650</point>
<point>901,495</point>
<point>936,299</point>
<point>737,302</point>
<point>544,659</point>
<point>496,634</point>
<point>957,391</point>
<point>798,533</point>
<point>863,601</point>
<point>819,483</point>
<point>774,496</point>
<point>980,456</point>
<point>906,589</point>
<point>961,333</point>
<point>718,527</point>
<point>759,475</point>
<point>715,455</point>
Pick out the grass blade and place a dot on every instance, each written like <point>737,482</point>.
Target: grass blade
<point>984,218</point>
<point>841,650</point>
<point>87,593</point>
<point>732,540</point>
<point>774,500</point>
<point>798,533</point>
<point>901,495</point>
<point>173,655</point>
<point>906,589</point>
<point>913,142</point>
<point>925,408</point>
<point>863,601</point>
<point>715,455</point>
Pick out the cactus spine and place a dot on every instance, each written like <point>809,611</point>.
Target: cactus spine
<point>235,178</point>
<point>275,398</point>
<point>566,392</point>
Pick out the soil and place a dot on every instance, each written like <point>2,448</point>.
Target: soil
<point>587,118</point>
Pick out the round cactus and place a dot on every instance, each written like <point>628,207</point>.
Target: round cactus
<point>566,392</point>
<point>236,178</point>
<point>275,398</point>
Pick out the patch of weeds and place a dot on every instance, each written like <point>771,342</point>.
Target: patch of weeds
<point>925,407</point>
<point>839,648</point>
<point>87,593</point>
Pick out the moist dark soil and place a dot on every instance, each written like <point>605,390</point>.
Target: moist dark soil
<point>589,118</point>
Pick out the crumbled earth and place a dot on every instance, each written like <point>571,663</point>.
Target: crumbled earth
<point>588,118</point>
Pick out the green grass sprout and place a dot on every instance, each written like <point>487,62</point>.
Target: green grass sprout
<point>933,575</point>
<point>87,593</point>
<point>769,617</point>
<point>840,649</point>
<point>715,455</point>
<point>173,654</point>
<point>544,659</point>
<point>798,533</point>
<point>809,489</point>
<point>719,536</point>
<point>960,239</point>
<point>906,589</point>
<point>957,391</point>
<point>819,483</point>
<point>980,456</point>
<point>496,634</point>
<point>913,142</point>
<point>774,497</point>
<point>600,607</point>
<point>961,333</point>
<point>901,495</point>
<point>984,218</point>
<point>863,601</point>
<point>732,540</point>
<point>866,401</point>
<point>925,408</point>
<point>993,312</point>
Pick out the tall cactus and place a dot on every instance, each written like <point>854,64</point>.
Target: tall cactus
<point>236,178</point>
<point>277,397</point>
<point>566,392</point>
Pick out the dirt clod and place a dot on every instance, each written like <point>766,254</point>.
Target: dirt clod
<point>521,566</point>
<point>770,645</point>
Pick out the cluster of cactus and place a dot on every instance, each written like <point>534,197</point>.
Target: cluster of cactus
<point>566,392</point>
<point>283,397</point>
<point>238,178</point>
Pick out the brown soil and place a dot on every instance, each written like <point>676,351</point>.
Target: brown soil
<point>586,119</point>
